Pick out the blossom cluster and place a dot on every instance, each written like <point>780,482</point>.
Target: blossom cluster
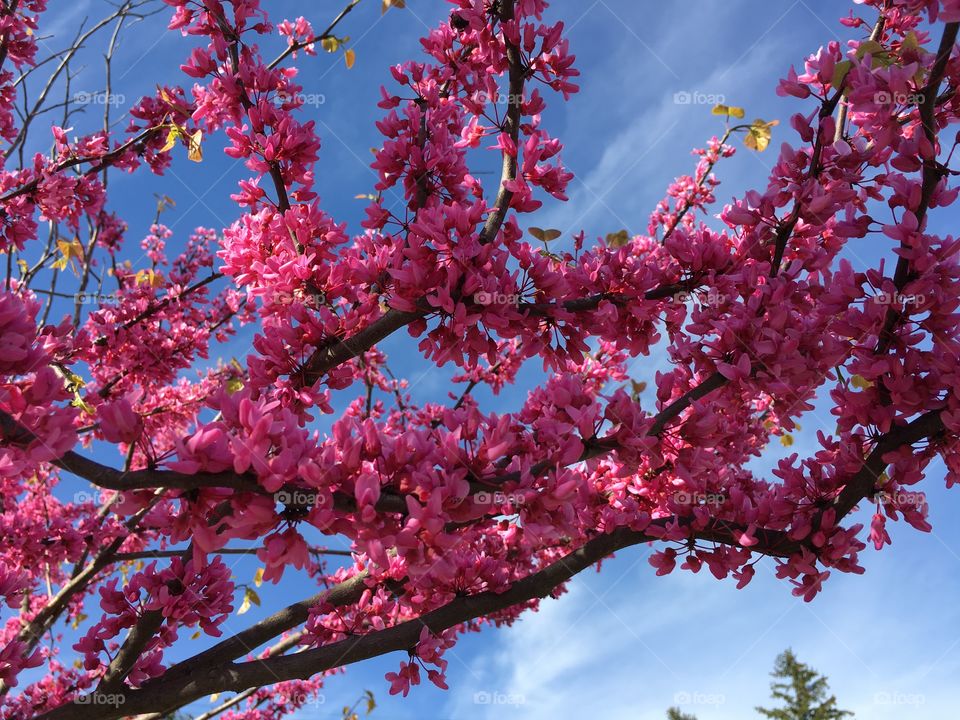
<point>758,310</point>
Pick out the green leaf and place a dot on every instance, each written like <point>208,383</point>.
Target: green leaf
<point>881,58</point>
<point>840,71</point>
<point>332,43</point>
<point>618,239</point>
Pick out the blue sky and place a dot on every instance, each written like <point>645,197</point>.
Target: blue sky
<point>622,643</point>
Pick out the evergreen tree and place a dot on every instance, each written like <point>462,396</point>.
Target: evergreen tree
<point>803,692</point>
<point>675,714</point>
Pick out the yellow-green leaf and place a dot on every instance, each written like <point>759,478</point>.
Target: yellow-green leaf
<point>881,58</point>
<point>840,71</point>
<point>332,44</point>
<point>234,385</point>
<point>758,134</point>
<point>173,102</point>
<point>70,250</point>
<point>544,235</point>
<point>78,620</point>
<point>79,402</point>
<point>194,149</point>
<point>250,598</point>
<point>618,239</point>
<point>149,277</point>
<point>786,440</point>
<point>910,42</point>
<point>349,57</point>
<point>74,381</point>
<point>860,382</point>
<point>164,202</point>
<point>728,111</point>
<point>258,577</point>
<point>172,135</point>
